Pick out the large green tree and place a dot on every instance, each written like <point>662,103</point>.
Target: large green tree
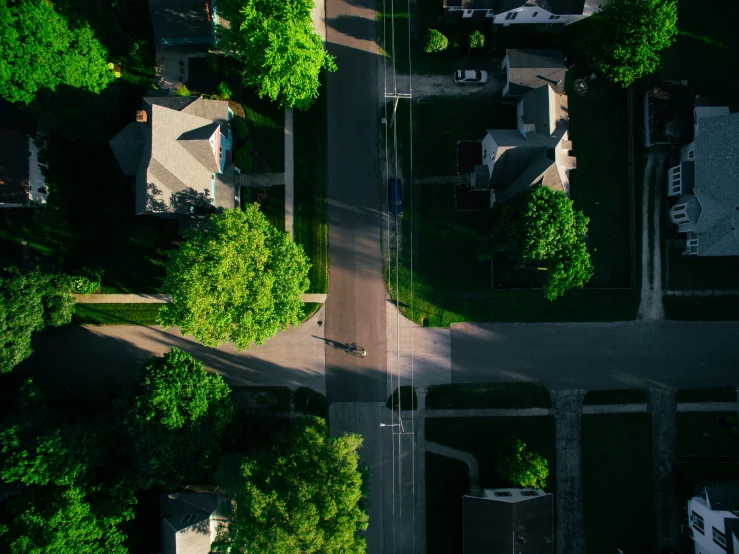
<point>540,228</point>
<point>237,279</point>
<point>520,467</point>
<point>39,49</point>
<point>66,520</point>
<point>302,496</point>
<point>29,300</point>
<point>281,53</point>
<point>628,36</point>
<point>178,415</point>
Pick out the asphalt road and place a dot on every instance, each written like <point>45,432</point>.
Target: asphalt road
<point>636,354</point>
<point>355,310</point>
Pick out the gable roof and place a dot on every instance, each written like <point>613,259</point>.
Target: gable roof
<point>530,69</point>
<point>181,19</point>
<point>722,496</point>
<point>716,184</point>
<point>13,167</point>
<point>128,145</point>
<point>186,521</point>
<point>492,526</point>
<point>558,7</point>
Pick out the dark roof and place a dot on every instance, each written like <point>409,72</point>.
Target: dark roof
<point>687,178</point>
<point>181,19</point>
<point>531,69</point>
<point>495,527</point>
<point>128,146</point>
<point>13,167</point>
<point>723,496</point>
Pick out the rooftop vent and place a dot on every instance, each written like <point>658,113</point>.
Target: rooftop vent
<point>141,116</point>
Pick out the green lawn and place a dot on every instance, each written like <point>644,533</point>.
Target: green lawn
<point>310,223</point>
<point>699,434</point>
<point>694,308</point>
<point>272,204</point>
<point>618,495</point>
<point>492,395</point>
<point>310,308</point>
<point>116,314</point>
<point>694,273</point>
<point>617,396</point>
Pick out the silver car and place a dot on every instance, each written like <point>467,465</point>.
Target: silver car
<point>470,76</point>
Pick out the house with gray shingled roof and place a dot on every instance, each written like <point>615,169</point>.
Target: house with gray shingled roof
<point>191,520</point>
<point>179,149</point>
<point>514,12</point>
<point>706,185</point>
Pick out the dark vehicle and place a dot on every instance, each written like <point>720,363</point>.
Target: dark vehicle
<point>394,196</point>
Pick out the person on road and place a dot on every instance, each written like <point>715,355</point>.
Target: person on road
<point>364,353</point>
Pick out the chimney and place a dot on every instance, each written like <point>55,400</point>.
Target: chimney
<point>141,116</point>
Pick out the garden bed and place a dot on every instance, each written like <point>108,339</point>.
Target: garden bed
<point>490,395</point>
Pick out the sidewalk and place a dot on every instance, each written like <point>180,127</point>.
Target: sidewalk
<point>158,298</point>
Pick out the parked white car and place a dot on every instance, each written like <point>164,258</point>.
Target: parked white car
<point>470,76</point>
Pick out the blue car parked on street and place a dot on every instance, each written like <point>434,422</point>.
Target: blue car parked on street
<point>394,196</point>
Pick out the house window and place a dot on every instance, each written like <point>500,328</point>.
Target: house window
<point>529,493</point>
<point>691,154</point>
<point>719,538</point>
<point>679,214</point>
<point>534,14</point>
<point>692,246</point>
<point>189,518</point>
<point>220,151</point>
<point>468,13</point>
<point>676,186</point>
<point>454,8</point>
<point>553,17</point>
<point>503,493</point>
<point>484,154</point>
<point>510,16</point>
<point>697,522</point>
<point>490,13</point>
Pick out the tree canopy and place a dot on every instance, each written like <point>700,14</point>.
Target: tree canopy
<point>303,496</point>
<point>237,279</point>
<point>39,49</point>
<point>282,55</point>
<point>540,227</point>
<point>520,467</point>
<point>29,300</point>
<point>630,36</point>
<point>178,415</point>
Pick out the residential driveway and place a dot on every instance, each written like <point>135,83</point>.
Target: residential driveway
<point>82,356</point>
<point>639,354</point>
<point>444,85</point>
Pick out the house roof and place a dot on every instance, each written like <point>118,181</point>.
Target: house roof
<point>492,526</point>
<point>175,155</point>
<point>186,525</point>
<point>13,167</point>
<point>722,496</point>
<point>530,69</point>
<point>181,19</point>
<point>558,7</point>
<point>716,186</point>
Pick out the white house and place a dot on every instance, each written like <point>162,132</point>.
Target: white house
<point>22,181</point>
<point>508,12</point>
<point>704,183</point>
<point>714,518</point>
<point>508,521</point>
<point>191,520</point>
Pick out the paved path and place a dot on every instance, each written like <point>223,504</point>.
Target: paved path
<point>85,356</point>
<point>570,536</point>
<point>703,292</point>
<point>444,85</point>
<point>651,307</point>
<point>157,298</point>
<point>638,354</point>
<point>261,179</point>
<point>706,406</point>
<point>490,412</point>
<point>664,466</point>
<point>289,176</point>
<point>442,180</point>
<point>473,468</point>
<point>614,408</point>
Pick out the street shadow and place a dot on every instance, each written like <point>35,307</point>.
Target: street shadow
<point>352,348</point>
<point>353,26</point>
<point>369,4</point>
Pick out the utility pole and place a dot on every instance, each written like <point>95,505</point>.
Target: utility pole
<point>397,97</point>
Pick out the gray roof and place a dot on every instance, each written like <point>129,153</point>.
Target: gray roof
<point>559,7</point>
<point>181,19</point>
<point>186,521</point>
<point>723,495</point>
<point>178,151</point>
<point>530,69</point>
<point>491,526</point>
<point>716,184</point>
<point>13,167</point>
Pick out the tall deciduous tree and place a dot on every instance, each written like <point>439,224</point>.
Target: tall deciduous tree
<point>630,36</point>
<point>520,467</point>
<point>237,279</point>
<point>178,416</point>
<point>38,49</point>
<point>303,496</point>
<point>29,300</point>
<point>282,55</point>
<point>539,227</point>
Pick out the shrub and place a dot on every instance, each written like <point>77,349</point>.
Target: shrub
<point>182,90</point>
<point>239,128</point>
<point>520,467</point>
<point>223,90</point>
<point>435,41</point>
<point>87,280</point>
<point>477,39</point>
<point>242,159</point>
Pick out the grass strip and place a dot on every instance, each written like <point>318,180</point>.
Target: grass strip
<point>617,396</point>
<point>725,394</point>
<point>489,395</point>
<point>116,314</point>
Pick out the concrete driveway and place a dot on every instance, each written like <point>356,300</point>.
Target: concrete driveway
<point>444,85</point>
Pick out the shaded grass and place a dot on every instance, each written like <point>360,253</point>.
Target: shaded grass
<point>446,482</point>
<point>268,399</point>
<point>116,314</point>
<point>698,273</point>
<point>310,308</point>
<point>308,401</point>
<point>618,497</point>
<point>491,395</point>
<point>310,223</point>
<point>698,434</point>
<point>617,396</point>
<point>727,394</point>
<point>701,308</point>
<point>407,399</point>
<point>272,205</point>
